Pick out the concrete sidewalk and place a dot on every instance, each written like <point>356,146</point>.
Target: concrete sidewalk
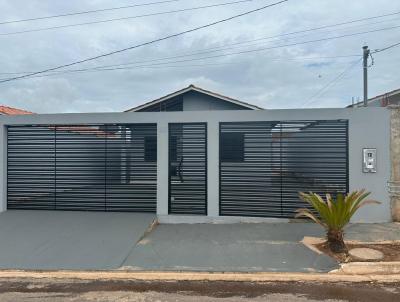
<point>373,232</point>
<point>268,247</point>
<point>271,247</point>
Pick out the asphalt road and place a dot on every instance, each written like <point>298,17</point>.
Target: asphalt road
<point>78,290</point>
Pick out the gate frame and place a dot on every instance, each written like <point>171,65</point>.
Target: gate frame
<point>280,143</point>
<point>105,208</point>
<point>206,166</point>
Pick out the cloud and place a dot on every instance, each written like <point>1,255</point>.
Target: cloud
<point>275,78</point>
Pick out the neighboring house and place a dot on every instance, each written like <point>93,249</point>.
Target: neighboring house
<point>6,110</point>
<point>193,98</point>
<point>383,100</point>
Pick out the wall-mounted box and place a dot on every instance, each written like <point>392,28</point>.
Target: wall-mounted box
<point>369,160</point>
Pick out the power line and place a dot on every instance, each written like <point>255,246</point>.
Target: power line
<point>307,30</point>
<point>188,9</point>
<point>152,66</point>
<point>203,51</point>
<point>100,68</point>
<point>331,83</point>
<point>341,75</point>
<point>165,64</point>
<point>213,50</point>
<point>146,43</point>
<point>228,46</point>
<point>386,48</point>
<point>88,11</point>
<point>126,18</point>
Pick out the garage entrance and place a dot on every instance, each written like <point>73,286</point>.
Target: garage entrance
<point>263,165</point>
<point>107,167</point>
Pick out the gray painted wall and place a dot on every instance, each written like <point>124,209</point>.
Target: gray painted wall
<point>195,101</point>
<point>368,128</point>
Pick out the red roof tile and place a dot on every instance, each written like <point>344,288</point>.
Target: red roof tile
<point>13,111</point>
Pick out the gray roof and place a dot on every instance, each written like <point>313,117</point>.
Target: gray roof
<point>200,90</point>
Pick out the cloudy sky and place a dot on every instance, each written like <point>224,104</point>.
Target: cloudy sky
<point>239,58</point>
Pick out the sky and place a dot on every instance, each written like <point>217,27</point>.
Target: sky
<point>239,58</point>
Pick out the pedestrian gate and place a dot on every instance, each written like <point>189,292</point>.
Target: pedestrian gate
<point>263,165</point>
<point>188,168</point>
<point>82,167</point>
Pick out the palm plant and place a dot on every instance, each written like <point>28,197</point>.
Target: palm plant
<point>334,215</point>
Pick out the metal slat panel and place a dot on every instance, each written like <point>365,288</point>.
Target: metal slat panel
<point>188,168</point>
<point>30,167</point>
<point>131,177</point>
<point>280,158</point>
<point>82,167</point>
<point>314,158</point>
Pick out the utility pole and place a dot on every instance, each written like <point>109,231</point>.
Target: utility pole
<point>366,53</point>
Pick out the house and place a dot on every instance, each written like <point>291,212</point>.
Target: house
<point>193,98</point>
<point>193,155</point>
<point>6,110</point>
<point>383,100</point>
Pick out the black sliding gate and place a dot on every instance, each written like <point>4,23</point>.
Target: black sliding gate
<point>82,167</point>
<point>263,165</point>
<point>188,168</point>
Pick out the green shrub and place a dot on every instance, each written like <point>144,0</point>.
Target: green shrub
<point>334,214</point>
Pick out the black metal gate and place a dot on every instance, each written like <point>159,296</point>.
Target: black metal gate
<point>188,168</point>
<point>263,165</point>
<point>82,167</point>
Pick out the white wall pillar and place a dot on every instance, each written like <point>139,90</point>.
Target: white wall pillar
<point>213,168</point>
<point>162,168</point>
<point>3,168</point>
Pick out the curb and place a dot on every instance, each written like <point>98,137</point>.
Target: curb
<point>200,276</point>
<point>368,268</point>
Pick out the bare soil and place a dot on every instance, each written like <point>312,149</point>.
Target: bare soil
<point>54,290</point>
<point>391,252</point>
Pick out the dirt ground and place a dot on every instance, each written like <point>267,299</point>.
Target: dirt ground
<point>391,251</point>
<point>47,290</point>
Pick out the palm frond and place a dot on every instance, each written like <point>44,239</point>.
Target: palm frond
<point>307,213</point>
<point>333,214</point>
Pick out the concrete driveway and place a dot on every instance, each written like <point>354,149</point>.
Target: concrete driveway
<point>101,241</point>
<point>229,247</point>
<point>69,240</point>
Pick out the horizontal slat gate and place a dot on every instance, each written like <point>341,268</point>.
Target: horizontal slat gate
<point>188,168</point>
<point>263,165</point>
<point>82,167</point>
<point>30,168</point>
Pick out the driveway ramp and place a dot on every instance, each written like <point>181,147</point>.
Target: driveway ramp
<point>69,240</point>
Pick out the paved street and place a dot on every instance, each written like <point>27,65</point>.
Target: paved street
<point>83,291</point>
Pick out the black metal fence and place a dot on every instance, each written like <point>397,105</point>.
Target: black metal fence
<point>82,167</point>
<point>263,165</point>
